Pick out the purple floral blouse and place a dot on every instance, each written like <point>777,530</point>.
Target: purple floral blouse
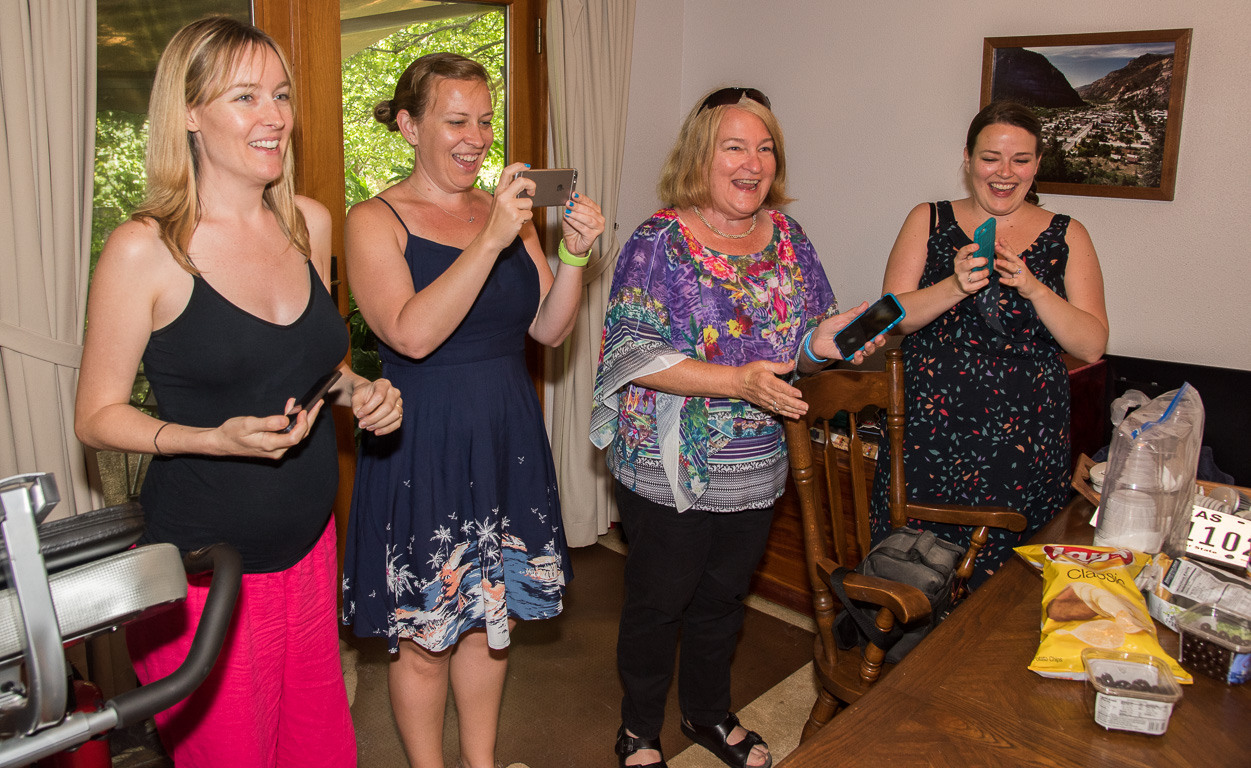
<point>673,299</point>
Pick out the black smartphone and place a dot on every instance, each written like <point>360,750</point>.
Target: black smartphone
<point>552,186</point>
<point>317,392</point>
<point>984,236</point>
<point>880,317</point>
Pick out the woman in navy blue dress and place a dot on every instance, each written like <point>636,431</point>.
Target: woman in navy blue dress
<point>455,532</point>
<point>987,391</point>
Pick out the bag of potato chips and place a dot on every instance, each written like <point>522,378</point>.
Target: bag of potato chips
<point>1090,601</point>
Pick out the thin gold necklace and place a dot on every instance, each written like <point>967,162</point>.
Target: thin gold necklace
<point>716,231</point>
<point>441,208</point>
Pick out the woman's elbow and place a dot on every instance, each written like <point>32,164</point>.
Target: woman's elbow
<point>414,346</point>
<point>551,338</point>
<point>415,349</point>
<point>1091,349</point>
<point>85,434</point>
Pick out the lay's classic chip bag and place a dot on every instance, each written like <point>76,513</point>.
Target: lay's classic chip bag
<point>1090,601</point>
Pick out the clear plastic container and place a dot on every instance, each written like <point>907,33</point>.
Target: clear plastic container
<point>1153,456</point>
<point>1129,691</point>
<point>1216,643</point>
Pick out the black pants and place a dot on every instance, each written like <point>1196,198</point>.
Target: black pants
<point>686,572</point>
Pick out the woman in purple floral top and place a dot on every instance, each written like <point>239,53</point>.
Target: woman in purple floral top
<point>716,300</point>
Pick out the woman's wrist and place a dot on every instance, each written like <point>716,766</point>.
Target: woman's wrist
<point>155,445</point>
<point>573,260</point>
<point>812,356</point>
<point>1037,290</point>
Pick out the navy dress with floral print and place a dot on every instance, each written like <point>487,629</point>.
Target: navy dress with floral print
<point>455,521</point>
<point>987,411</point>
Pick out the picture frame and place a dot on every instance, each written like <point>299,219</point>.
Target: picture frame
<point>1116,132</point>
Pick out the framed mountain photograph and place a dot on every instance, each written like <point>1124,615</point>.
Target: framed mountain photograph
<point>1110,104</point>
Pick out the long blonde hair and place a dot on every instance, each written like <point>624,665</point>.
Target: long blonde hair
<point>193,70</point>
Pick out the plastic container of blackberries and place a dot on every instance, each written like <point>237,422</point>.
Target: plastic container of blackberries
<point>1216,642</point>
<point>1129,691</point>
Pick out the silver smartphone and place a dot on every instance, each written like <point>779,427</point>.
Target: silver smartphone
<point>552,186</point>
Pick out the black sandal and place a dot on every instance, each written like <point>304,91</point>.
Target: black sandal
<point>714,739</point>
<point>627,745</point>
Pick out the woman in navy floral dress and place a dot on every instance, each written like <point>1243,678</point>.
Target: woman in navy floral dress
<point>455,533</point>
<point>714,299</point>
<point>987,390</point>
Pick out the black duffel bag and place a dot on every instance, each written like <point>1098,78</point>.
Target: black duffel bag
<point>907,556</point>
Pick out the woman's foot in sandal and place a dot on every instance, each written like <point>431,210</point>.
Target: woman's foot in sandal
<point>733,744</point>
<point>637,752</point>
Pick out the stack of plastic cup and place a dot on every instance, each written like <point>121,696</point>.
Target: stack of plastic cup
<point>1128,518</point>
<point>1131,514</point>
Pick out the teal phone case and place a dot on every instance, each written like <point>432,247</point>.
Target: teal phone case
<point>984,236</point>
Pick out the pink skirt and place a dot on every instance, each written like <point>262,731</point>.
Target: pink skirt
<point>275,696</point>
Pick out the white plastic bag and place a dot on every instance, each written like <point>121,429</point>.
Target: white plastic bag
<point>1149,485</point>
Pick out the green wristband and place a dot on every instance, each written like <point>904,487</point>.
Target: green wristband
<point>570,259</point>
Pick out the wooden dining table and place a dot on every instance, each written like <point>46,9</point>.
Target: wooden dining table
<point>965,696</point>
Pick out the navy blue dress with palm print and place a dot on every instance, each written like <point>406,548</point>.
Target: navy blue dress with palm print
<point>455,521</point>
<point>987,410</point>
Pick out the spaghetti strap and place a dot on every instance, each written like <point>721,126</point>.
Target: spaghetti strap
<point>397,215</point>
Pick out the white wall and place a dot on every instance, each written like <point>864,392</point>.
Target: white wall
<point>874,99</point>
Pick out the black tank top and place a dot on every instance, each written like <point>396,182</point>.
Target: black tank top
<point>214,362</point>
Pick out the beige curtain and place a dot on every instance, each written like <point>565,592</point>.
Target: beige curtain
<point>47,145</point>
<point>589,44</point>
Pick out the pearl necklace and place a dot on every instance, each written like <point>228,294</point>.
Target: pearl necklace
<point>441,208</point>
<point>716,231</point>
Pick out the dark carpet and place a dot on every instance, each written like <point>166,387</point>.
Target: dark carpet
<point>561,705</point>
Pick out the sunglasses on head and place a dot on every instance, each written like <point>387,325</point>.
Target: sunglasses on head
<point>727,96</point>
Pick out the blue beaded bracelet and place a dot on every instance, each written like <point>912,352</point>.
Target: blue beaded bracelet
<point>808,350</point>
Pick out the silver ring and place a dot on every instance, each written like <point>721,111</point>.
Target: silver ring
<point>1018,270</point>
<point>775,404</point>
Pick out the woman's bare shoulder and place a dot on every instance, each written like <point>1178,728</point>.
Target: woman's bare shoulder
<point>137,266</point>
<point>137,244</point>
<point>314,212</point>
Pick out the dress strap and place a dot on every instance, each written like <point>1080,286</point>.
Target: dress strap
<point>933,218</point>
<point>1060,225</point>
<point>397,214</point>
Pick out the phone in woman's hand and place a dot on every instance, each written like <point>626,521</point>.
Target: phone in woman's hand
<point>317,392</point>
<point>880,317</point>
<point>552,186</point>
<point>984,236</point>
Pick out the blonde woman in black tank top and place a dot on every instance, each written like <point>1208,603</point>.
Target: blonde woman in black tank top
<point>219,284</point>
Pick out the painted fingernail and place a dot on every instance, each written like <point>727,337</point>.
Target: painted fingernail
<point>527,165</point>
<point>575,194</point>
